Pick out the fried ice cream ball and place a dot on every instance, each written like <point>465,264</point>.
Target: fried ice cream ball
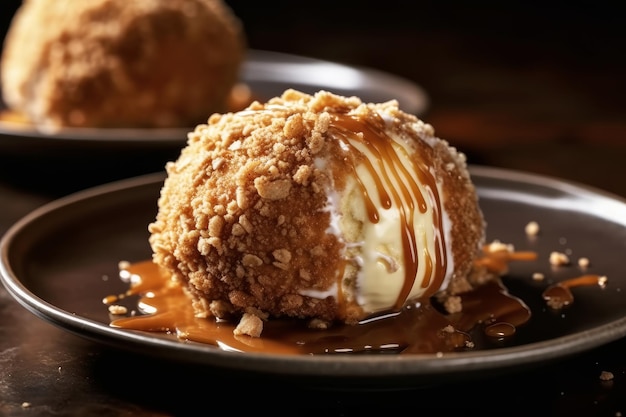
<point>318,207</point>
<point>119,63</point>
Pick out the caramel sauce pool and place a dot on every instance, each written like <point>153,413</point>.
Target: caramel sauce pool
<point>417,328</point>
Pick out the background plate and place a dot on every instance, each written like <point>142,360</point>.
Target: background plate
<point>76,158</point>
<point>61,260</point>
<point>267,74</point>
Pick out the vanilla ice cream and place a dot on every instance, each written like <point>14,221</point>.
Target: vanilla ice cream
<point>390,216</point>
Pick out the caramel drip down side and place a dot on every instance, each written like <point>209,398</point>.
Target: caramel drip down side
<point>397,185</point>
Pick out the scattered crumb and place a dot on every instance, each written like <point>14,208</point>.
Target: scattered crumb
<point>532,228</point>
<point>497,246</point>
<point>117,309</point>
<point>250,325</point>
<point>220,309</point>
<point>602,281</point>
<point>453,304</point>
<point>449,329</point>
<point>556,303</point>
<point>583,262</point>
<point>469,344</point>
<point>606,376</point>
<point>319,324</point>
<point>538,276</point>
<point>25,404</point>
<point>559,258</point>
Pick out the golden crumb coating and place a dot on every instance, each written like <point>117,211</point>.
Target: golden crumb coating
<point>243,218</point>
<point>119,63</point>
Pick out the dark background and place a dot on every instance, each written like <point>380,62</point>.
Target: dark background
<point>533,86</point>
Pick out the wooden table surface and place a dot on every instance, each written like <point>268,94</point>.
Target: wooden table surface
<point>530,87</point>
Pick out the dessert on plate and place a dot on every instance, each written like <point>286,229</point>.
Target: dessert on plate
<point>118,63</point>
<point>316,207</point>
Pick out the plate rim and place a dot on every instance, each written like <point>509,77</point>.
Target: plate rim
<point>418,367</point>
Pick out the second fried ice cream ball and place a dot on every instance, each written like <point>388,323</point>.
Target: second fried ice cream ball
<point>118,63</point>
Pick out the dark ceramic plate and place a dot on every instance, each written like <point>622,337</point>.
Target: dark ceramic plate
<point>61,260</point>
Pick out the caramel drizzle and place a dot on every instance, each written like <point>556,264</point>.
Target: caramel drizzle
<point>559,295</point>
<point>498,261</point>
<point>406,195</point>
